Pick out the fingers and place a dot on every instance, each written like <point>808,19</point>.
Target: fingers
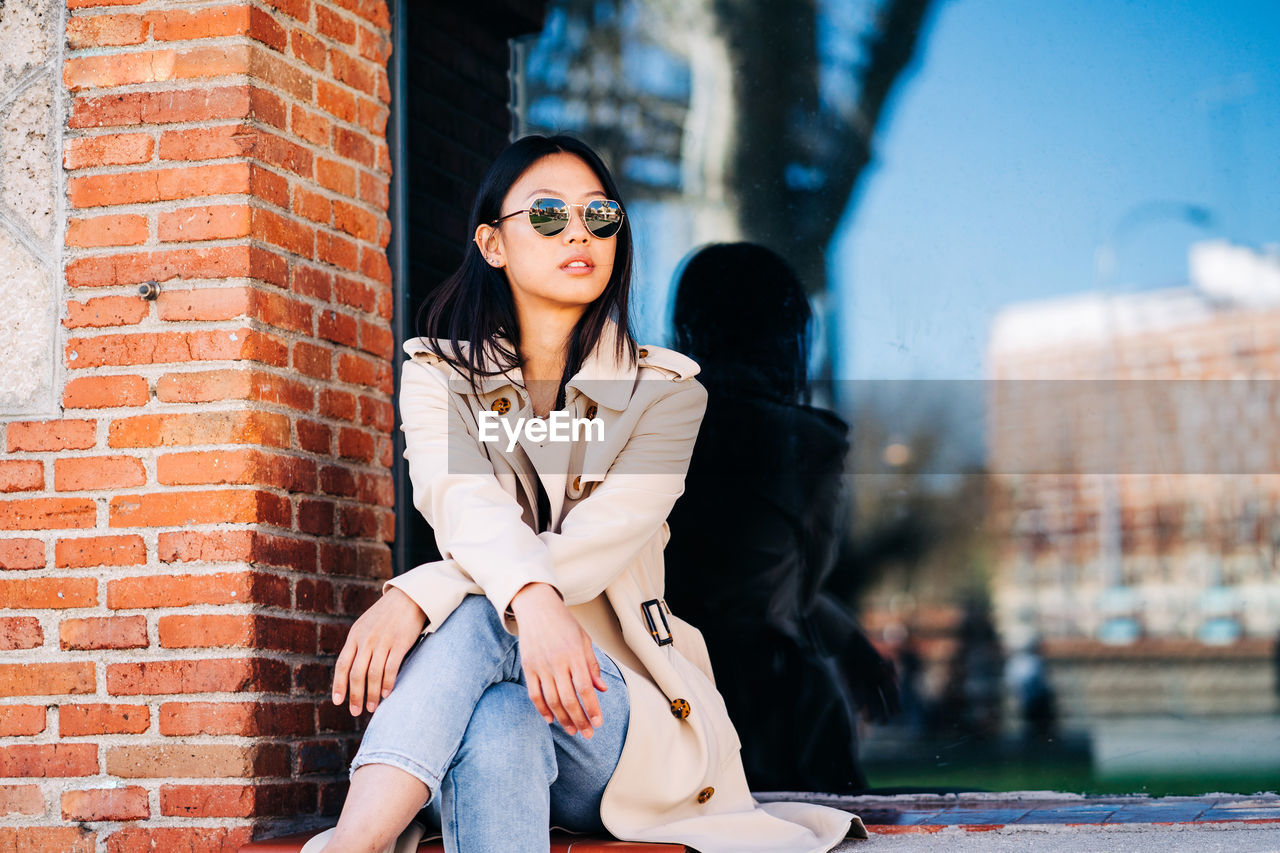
<point>570,699</point>
<point>535,696</point>
<point>341,669</point>
<point>394,659</point>
<point>355,689</point>
<point>373,678</point>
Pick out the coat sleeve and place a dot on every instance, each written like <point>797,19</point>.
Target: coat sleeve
<point>604,531</point>
<point>478,526</point>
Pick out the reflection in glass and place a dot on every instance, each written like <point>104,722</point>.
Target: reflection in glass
<point>1049,309</point>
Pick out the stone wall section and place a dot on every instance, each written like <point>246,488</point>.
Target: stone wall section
<point>187,531</point>
<point>30,180</point>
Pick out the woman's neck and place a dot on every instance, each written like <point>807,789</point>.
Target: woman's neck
<point>544,348</point>
<point>544,342</point>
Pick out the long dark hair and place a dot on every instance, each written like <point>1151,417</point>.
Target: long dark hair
<point>475,303</point>
<point>769,331</point>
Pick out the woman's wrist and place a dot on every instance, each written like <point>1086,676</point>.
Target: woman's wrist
<point>534,594</point>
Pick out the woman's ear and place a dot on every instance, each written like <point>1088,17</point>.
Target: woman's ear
<point>489,242</point>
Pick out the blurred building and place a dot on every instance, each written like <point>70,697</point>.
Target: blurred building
<point>1132,439</point>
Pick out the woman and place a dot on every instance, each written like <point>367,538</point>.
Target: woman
<point>545,620</point>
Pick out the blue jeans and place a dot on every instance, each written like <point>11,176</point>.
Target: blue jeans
<point>460,719</point>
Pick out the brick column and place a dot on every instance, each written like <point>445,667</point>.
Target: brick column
<point>184,545</point>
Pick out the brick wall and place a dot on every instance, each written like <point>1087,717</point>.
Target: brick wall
<point>183,547</point>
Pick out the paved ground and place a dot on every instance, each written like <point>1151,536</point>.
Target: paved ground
<point>1043,821</point>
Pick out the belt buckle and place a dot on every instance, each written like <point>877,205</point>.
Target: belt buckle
<point>653,626</point>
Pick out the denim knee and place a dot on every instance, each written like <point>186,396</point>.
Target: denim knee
<point>507,737</point>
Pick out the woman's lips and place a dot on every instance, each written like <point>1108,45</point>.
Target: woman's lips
<point>578,270</point>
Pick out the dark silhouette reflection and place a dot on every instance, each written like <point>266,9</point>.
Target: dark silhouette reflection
<point>754,537</point>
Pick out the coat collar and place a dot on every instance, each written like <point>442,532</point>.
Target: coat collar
<point>604,377</point>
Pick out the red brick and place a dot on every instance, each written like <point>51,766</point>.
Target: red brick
<point>340,405</point>
<point>338,327</point>
<point>38,839</point>
<point>46,679</point>
<point>164,107</point>
<point>109,632</point>
<point>152,66</point>
<point>377,339</point>
<point>246,719</point>
<point>178,509</point>
<point>314,437</point>
<point>336,250</point>
<point>170,347</point>
<point>272,70</point>
<point>242,630</point>
<point>158,185</point>
<point>374,189</point>
<point>21,475</point>
<point>106,804</point>
<point>207,143</point>
<point>177,25</point>
<point>263,28</point>
<point>88,473</point>
<point>351,70</point>
<point>336,101</point>
<point>123,230</point>
<point>21,554</point>
<point>356,221</point>
<point>47,514</point>
<point>266,428</point>
<point>308,48</point>
<point>122,269</point>
<point>237,800</point>
<point>99,719</point>
<point>214,222</point>
<point>51,435</point>
<point>197,760</point>
<point>215,303</point>
<point>111,149</point>
<point>312,206</point>
<point>105,30</point>
<point>287,233</point>
<point>299,9</point>
<point>218,675</point>
<point>105,392</point>
<point>21,799</point>
<point>49,760</point>
<point>208,386</point>
<point>238,467</point>
<point>336,26</point>
<point>185,590</point>
<point>269,186</point>
<point>100,551</point>
<point>187,839</point>
<point>336,176</point>
<point>20,632</point>
<point>309,281</point>
<point>354,145</point>
<point>22,720</point>
<point>106,311</point>
<point>355,444</point>
<point>316,517</point>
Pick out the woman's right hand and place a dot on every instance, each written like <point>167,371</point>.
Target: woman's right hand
<point>560,666</point>
<point>376,645</point>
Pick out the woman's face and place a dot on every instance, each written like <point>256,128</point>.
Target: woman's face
<point>537,267</point>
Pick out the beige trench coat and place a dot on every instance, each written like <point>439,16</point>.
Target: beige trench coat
<point>679,778</point>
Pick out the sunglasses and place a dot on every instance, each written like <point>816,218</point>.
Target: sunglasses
<point>550,216</point>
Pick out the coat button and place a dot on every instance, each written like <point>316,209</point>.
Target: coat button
<point>502,405</point>
<point>644,353</point>
<point>591,411</point>
<point>705,794</point>
<point>680,709</point>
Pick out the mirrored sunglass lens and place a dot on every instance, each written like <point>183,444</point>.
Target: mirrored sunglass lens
<point>548,216</point>
<point>603,218</point>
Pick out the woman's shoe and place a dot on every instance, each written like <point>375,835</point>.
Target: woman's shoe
<point>407,842</point>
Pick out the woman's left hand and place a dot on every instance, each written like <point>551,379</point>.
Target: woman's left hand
<point>560,666</point>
